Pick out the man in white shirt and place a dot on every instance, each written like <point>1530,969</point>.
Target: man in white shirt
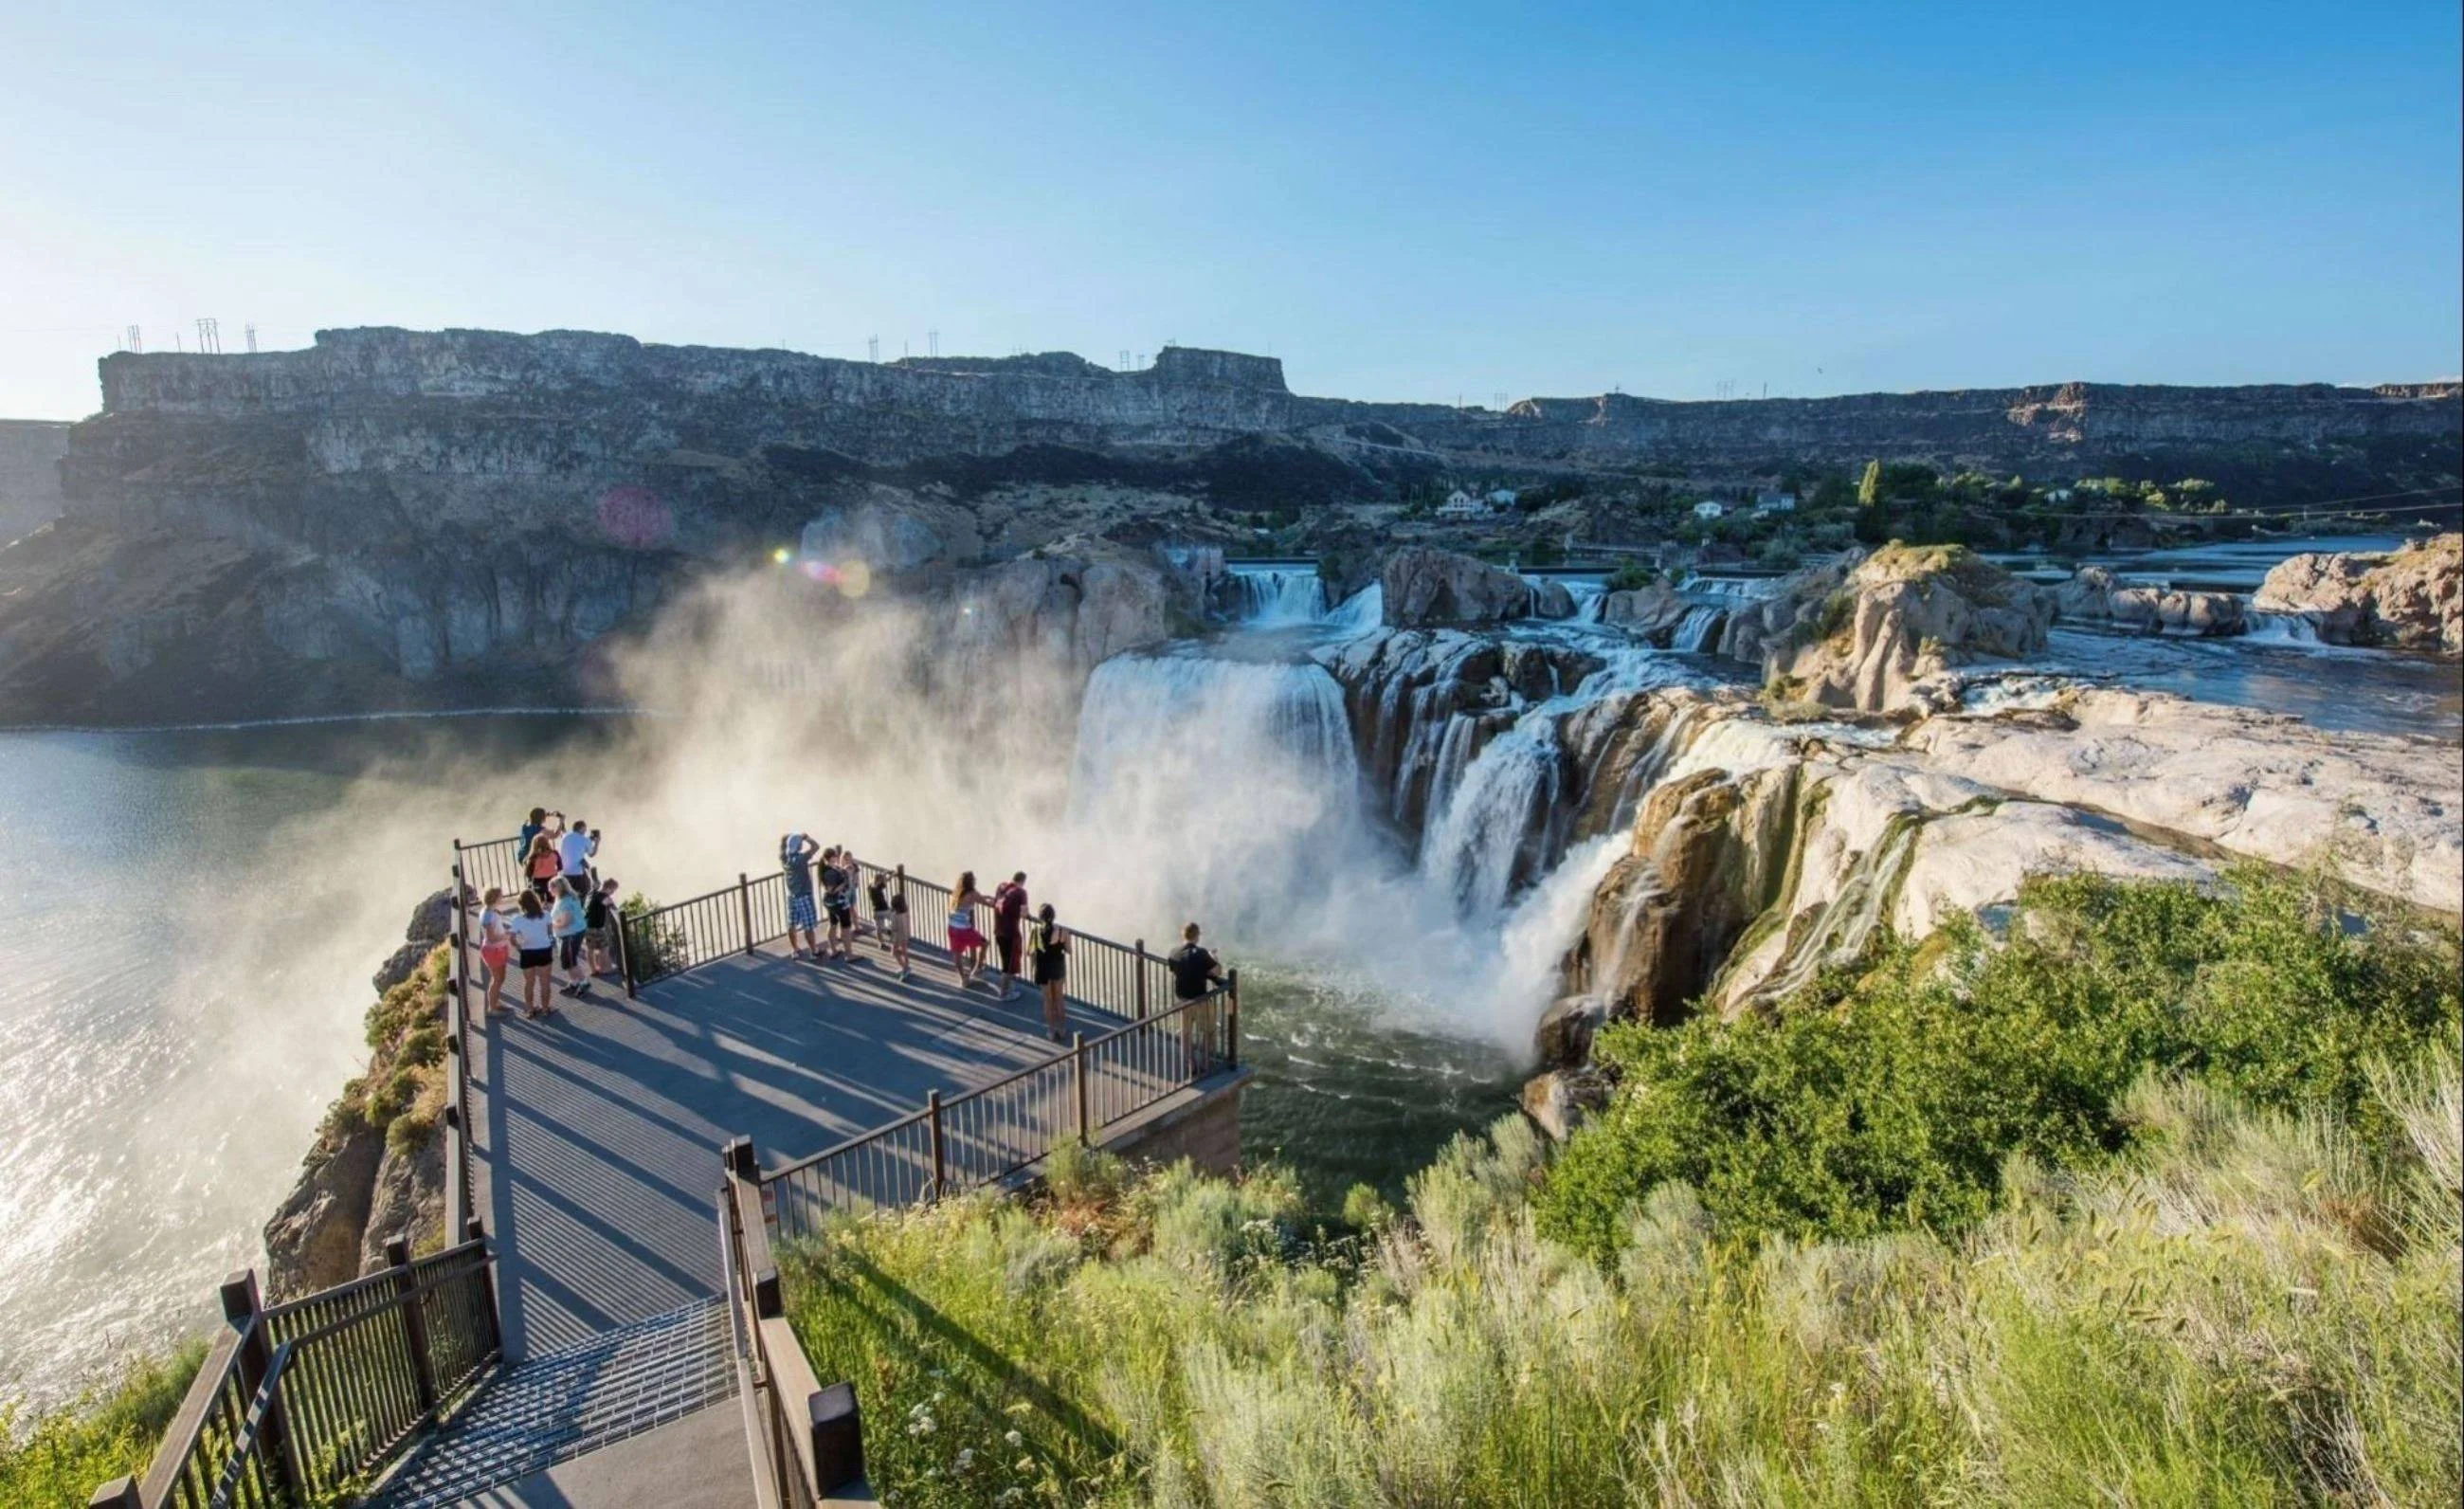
<point>575,851</point>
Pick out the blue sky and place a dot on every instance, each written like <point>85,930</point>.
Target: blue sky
<point>1401,202</point>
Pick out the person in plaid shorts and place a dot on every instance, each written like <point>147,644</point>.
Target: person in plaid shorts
<point>796,858</point>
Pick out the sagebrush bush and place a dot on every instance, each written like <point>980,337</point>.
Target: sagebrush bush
<point>56,1459</point>
<point>2248,1307</point>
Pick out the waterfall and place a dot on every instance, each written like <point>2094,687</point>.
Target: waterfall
<point>1273,596</point>
<point>1363,611</point>
<point>1700,625</point>
<point>2281,629</point>
<point>1588,598</point>
<point>1502,805</point>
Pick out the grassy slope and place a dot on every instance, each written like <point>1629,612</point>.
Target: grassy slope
<point>60,1458</point>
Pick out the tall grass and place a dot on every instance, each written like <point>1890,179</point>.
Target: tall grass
<point>58,1458</point>
<point>2248,1309</point>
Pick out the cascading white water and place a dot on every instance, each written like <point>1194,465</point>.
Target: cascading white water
<point>1588,598</point>
<point>1698,628</point>
<point>2281,629</point>
<point>1363,611</point>
<point>1276,596</point>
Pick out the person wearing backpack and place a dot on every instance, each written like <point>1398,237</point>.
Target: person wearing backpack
<point>1195,973</point>
<point>1049,951</point>
<point>599,912</point>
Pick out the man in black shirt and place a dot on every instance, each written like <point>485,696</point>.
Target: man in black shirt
<point>1195,972</point>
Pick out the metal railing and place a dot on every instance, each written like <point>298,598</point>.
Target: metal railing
<point>306,1401</point>
<point>1123,980</point>
<point>994,1131</point>
<point>496,862</point>
<point>805,1438</point>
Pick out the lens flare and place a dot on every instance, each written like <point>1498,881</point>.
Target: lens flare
<point>780,555</point>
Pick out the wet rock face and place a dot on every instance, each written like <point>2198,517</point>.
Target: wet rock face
<point>1898,617</point>
<point>2413,599</point>
<point>1425,587</point>
<point>313,1240</point>
<point>1650,613</point>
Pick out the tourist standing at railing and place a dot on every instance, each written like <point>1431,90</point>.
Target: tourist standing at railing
<point>1009,927</point>
<point>574,853</point>
<point>795,859</point>
<point>1052,971</point>
<point>876,899</point>
<point>966,942</point>
<point>896,918</point>
<point>1195,972</point>
<point>540,864</point>
<point>600,912</point>
<point>535,945</point>
<point>569,919</point>
<point>531,830</point>
<point>496,946</point>
<point>838,898</point>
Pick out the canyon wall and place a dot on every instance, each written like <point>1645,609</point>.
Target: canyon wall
<point>29,474</point>
<point>401,519</point>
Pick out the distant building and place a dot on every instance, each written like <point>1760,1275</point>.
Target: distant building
<point>2059,495</point>
<point>1774,502</point>
<point>1460,505</point>
<point>1502,497</point>
<point>1707,509</point>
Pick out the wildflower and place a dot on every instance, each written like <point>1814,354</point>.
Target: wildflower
<point>965,1460</point>
<point>1013,1439</point>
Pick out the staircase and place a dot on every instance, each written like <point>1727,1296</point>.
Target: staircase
<point>554,1407</point>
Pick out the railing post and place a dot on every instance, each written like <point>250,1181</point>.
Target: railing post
<point>120,1493</point>
<point>241,1306</point>
<point>940,1160</point>
<point>1142,979</point>
<point>624,952</point>
<point>744,899</point>
<point>837,1438</point>
<point>1232,1019</point>
<point>414,1321</point>
<point>1078,1079</point>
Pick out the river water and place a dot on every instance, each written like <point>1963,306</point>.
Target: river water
<point>189,920</point>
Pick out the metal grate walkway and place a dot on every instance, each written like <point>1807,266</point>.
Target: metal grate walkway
<point>552,1409</point>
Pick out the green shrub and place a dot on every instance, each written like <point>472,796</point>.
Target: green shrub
<point>2197,1323</point>
<point>652,947</point>
<point>1631,576</point>
<point>61,1457</point>
<point>1890,1096</point>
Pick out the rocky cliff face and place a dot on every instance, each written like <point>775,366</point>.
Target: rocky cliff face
<point>1877,634</point>
<point>29,474</point>
<point>406,518</point>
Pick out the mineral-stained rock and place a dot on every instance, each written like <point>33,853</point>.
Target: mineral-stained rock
<point>2413,599</point>
<point>1425,587</point>
<point>1903,616</point>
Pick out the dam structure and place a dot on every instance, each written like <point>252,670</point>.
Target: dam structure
<point>602,1325</point>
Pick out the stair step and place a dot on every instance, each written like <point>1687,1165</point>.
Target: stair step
<point>555,1407</point>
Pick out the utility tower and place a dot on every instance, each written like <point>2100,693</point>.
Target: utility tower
<point>1125,359</point>
<point>210,336</point>
<point>872,347</point>
<point>932,342</point>
<point>134,340</point>
<point>252,338</point>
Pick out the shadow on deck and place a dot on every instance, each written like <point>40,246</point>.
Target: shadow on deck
<point>598,1130</point>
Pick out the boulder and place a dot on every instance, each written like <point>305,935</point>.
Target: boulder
<point>1560,1101</point>
<point>1425,587</point>
<point>1564,1036</point>
<point>1649,612</point>
<point>2413,599</point>
<point>2092,596</point>
<point>1900,618</point>
<point>1549,599</point>
<point>2088,595</point>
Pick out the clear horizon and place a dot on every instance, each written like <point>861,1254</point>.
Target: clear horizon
<point>1431,205</point>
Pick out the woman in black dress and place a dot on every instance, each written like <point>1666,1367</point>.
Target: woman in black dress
<point>1050,946</point>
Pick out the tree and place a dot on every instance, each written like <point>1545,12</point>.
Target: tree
<point>1872,512</point>
<point>1869,488</point>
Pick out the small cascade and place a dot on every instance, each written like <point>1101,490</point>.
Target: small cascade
<point>1499,816</point>
<point>1696,632</point>
<point>1363,611</point>
<point>2298,630</point>
<point>1590,597</point>
<point>1275,596</point>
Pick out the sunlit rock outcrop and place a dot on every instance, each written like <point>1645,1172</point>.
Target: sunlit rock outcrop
<point>2413,599</point>
<point>1867,636</point>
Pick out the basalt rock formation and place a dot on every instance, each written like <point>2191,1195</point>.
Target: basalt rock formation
<point>2413,599</point>
<point>1877,634</point>
<point>404,519</point>
<point>1425,587</point>
<point>2092,596</point>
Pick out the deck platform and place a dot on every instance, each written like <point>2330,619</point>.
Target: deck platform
<point>597,1131</point>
